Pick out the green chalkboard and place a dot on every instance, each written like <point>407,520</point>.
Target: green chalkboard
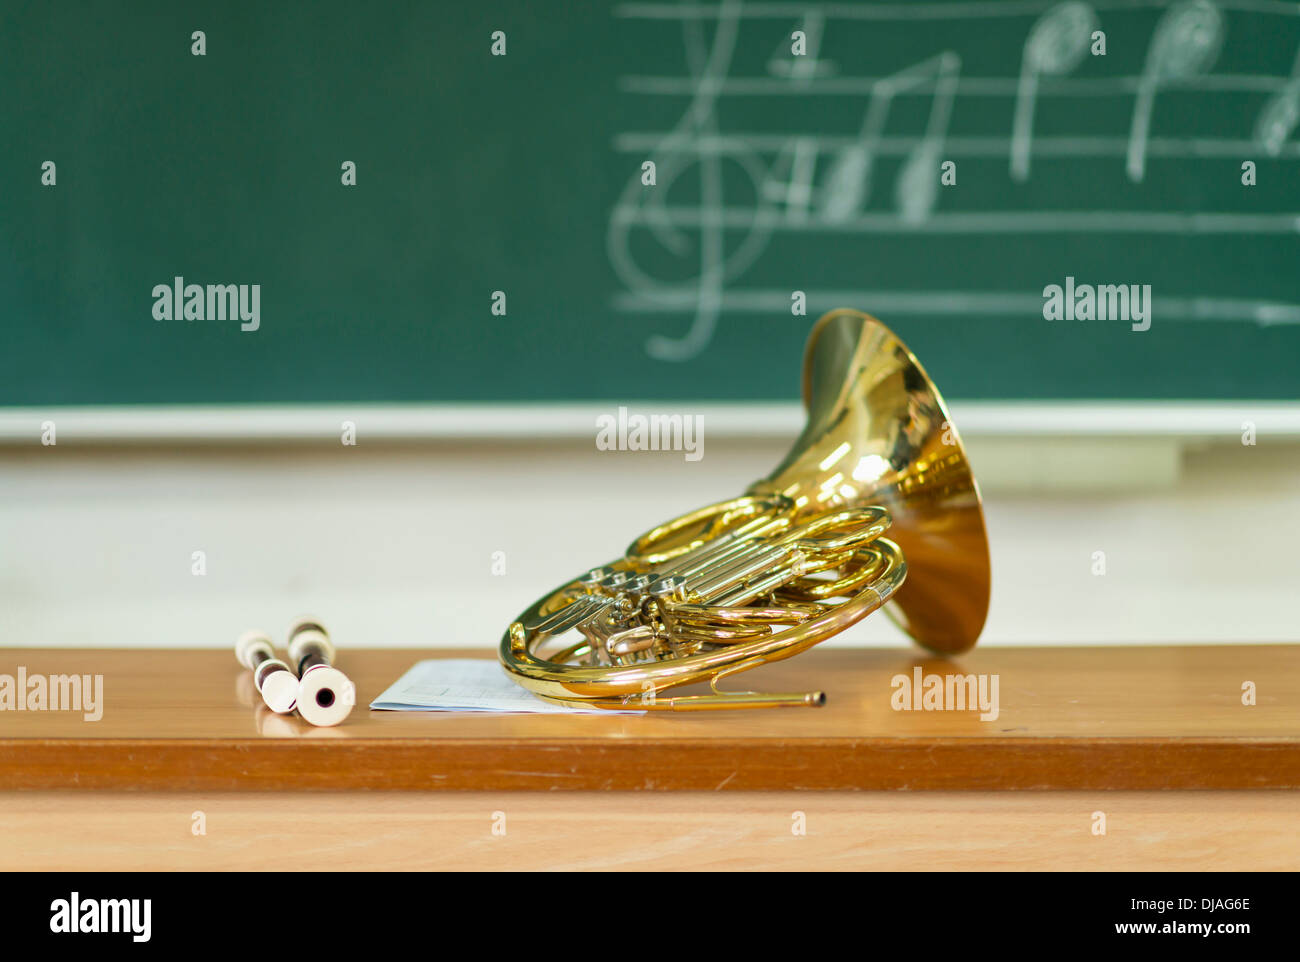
<point>819,170</point>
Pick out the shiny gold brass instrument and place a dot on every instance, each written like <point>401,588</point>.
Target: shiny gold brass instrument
<point>800,557</point>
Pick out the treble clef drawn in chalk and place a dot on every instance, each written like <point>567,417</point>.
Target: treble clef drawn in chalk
<point>692,142</point>
<point>1281,113</point>
<point>847,186</point>
<point>1056,45</point>
<point>1185,44</point>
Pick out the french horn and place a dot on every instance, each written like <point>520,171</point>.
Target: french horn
<point>798,558</point>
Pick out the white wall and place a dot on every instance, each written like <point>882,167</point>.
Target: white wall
<point>391,544</point>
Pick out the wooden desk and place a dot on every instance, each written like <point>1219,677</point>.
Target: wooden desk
<point>1105,729</point>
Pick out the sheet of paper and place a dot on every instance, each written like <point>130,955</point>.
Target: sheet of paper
<point>467,684</point>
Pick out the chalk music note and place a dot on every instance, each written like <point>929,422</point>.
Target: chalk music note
<point>789,180</point>
<point>1280,114</point>
<point>1185,43</point>
<point>848,180</point>
<point>1056,45</point>
<point>805,67</point>
<point>816,185</point>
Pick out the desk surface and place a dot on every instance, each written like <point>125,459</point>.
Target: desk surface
<point>1070,718</point>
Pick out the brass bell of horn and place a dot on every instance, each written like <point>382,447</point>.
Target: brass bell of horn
<point>798,558</point>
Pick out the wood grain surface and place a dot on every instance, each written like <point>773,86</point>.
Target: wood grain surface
<point>415,831</point>
<point>1070,719</point>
